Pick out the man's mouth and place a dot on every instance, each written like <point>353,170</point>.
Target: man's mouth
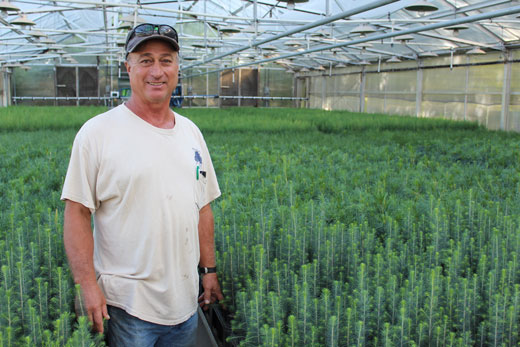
<point>156,83</point>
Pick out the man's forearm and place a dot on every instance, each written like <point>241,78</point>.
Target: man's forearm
<point>79,243</point>
<point>206,237</point>
<point>210,282</point>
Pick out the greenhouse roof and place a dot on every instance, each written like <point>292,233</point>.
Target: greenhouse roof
<point>215,35</point>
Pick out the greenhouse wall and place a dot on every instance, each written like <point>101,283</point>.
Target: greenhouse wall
<point>62,85</point>
<point>201,86</point>
<point>276,82</point>
<point>264,82</point>
<point>484,88</point>
<point>38,81</point>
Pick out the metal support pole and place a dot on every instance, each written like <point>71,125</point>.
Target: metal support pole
<point>255,16</point>
<point>506,92</point>
<point>385,86</point>
<point>323,91</point>
<point>258,83</point>
<point>334,95</point>
<point>206,48</point>
<point>219,91</point>
<point>207,88</point>
<point>55,85</point>
<point>267,87</point>
<point>327,8</point>
<point>466,88</point>
<point>307,92</point>
<point>419,90</point>
<point>362,91</point>
<point>205,28</point>
<point>105,25</point>
<point>294,90</point>
<point>97,77</point>
<point>6,94</point>
<point>239,89</point>
<point>77,86</point>
<point>297,90</point>
<point>12,91</point>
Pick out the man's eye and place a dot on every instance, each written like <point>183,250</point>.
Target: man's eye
<point>146,61</point>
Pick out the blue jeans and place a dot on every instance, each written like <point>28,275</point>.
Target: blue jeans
<point>125,330</point>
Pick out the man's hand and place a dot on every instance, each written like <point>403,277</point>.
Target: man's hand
<point>94,305</point>
<point>212,290</point>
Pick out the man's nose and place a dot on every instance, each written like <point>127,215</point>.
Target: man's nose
<point>156,69</point>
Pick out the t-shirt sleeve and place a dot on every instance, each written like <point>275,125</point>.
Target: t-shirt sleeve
<point>80,181</point>
<point>212,190</point>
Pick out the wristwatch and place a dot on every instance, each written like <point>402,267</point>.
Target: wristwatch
<point>207,270</point>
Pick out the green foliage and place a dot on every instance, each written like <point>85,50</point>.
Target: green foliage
<point>36,118</point>
<point>333,228</point>
<point>82,337</point>
<point>404,216</point>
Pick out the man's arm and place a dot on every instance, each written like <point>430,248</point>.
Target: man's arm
<point>210,283</point>
<point>79,245</point>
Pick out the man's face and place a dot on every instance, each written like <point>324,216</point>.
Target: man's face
<point>153,70</point>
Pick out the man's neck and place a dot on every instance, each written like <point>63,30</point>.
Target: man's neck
<point>158,115</point>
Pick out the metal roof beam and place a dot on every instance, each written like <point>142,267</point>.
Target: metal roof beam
<point>445,13</point>
<point>105,23</point>
<point>481,16</point>
<point>220,6</point>
<point>285,7</point>
<point>243,7</point>
<point>477,6</point>
<point>60,9</point>
<point>462,10</point>
<point>339,5</point>
<point>16,30</point>
<point>456,40</point>
<point>380,51</point>
<point>67,22</point>
<point>320,22</point>
<point>183,12</point>
<point>477,25</point>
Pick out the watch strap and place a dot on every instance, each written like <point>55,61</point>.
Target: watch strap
<point>207,270</point>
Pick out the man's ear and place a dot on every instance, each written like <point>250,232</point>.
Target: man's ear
<point>128,66</point>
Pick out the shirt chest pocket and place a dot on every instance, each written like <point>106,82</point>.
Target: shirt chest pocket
<point>200,186</point>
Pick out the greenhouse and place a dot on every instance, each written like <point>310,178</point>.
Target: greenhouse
<point>366,155</point>
<point>383,56</point>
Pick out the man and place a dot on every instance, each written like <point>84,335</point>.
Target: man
<point>145,174</point>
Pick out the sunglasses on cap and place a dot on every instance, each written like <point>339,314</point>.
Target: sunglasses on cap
<point>143,31</point>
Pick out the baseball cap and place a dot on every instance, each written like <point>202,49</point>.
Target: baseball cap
<point>147,31</point>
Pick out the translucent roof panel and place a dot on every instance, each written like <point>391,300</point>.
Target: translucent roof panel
<point>222,34</point>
